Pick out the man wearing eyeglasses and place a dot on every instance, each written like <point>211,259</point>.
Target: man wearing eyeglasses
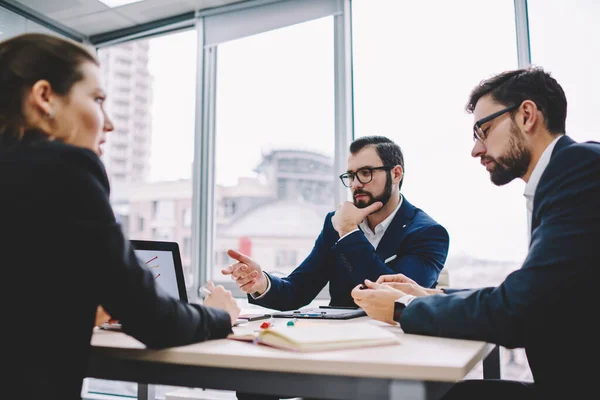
<point>378,233</point>
<point>547,306</point>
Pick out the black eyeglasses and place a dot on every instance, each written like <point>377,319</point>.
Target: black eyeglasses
<point>364,175</point>
<point>478,133</point>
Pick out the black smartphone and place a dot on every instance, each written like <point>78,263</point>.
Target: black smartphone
<point>254,317</point>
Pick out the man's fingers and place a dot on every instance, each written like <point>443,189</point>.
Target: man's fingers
<point>210,285</point>
<point>248,285</point>
<point>400,278</point>
<point>236,255</point>
<point>355,293</point>
<point>227,270</point>
<point>371,285</point>
<point>385,278</point>
<point>239,269</point>
<point>245,278</point>
<point>372,208</point>
<point>357,287</point>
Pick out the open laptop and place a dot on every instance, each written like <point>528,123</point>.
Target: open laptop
<point>164,261</point>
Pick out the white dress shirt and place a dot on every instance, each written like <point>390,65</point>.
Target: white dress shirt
<point>373,237</point>
<point>534,180</point>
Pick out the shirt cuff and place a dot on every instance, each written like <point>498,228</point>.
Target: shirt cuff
<point>349,233</point>
<point>406,299</point>
<point>257,296</point>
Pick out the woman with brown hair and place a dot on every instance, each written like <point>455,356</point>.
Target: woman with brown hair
<point>59,240</point>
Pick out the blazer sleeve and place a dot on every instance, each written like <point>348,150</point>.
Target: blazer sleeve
<point>553,283</point>
<point>306,281</point>
<point>110,268</point>
<point>422,257</point>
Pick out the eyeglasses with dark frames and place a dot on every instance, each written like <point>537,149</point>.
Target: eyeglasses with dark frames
<point>364,175</point>
<point>478,133</point>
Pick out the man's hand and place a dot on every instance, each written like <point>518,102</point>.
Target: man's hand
<point>222,298</point>
<point>348,216</point>
<point>399,278</point>
<point>377,300</point>
<point>246,273</point>
<point>405,284</point>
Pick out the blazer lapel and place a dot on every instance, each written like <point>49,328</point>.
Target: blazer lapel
<point>393,235</point>
<point>563,142</point>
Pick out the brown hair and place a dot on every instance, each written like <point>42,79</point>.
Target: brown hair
<point>532,83</point>
<point>27,59</point>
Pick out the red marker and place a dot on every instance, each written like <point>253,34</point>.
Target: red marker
<point>265,325</point>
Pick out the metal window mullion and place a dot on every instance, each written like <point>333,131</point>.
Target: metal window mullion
<point>203,173</point>
<point>344,113</point>
<point>344,110</point>
<point>522,30</point>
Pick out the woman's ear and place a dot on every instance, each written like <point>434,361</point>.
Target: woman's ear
<point>40,98</point>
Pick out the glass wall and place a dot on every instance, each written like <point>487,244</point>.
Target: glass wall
<point>276,139</point>
<point>151,88</point>
<point>149,156</point>
<point>414,68</point>
<point>274,145</point>
<point>571,54</point>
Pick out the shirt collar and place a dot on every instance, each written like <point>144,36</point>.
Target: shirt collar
<point>383,225</point>
<point>539,169</point>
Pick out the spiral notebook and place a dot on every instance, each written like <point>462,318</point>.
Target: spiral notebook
<point>319,336</point>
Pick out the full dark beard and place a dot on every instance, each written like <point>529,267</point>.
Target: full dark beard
<point>383,198</point>
<point>514,164</point>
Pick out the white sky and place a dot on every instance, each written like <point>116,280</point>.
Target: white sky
<point>414,67</point>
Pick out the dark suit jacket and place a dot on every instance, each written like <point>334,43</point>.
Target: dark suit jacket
<point>62,255</point>
<point>549,304</point>
<point>420,244</point>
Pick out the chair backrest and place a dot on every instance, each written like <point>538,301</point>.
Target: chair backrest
<point>443,279</point>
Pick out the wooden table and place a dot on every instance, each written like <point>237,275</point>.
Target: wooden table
<point>420,367</point>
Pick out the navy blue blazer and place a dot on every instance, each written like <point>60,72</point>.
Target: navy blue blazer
<point>419,243</point>
<point>548,304</point>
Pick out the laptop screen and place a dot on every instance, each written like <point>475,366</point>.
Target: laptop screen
<point>164,261</point>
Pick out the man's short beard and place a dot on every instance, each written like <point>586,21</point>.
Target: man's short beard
<point>383,198</point>
<point>515,163</point>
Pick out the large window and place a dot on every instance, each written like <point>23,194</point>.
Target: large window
<point>571,55</point>
<point>149,156</point>
<point>415,64</point>
<point>274,145</point>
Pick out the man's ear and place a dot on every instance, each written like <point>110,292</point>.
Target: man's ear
<point>397,173</point>
<point>531,115</point>
<point>40,98</point>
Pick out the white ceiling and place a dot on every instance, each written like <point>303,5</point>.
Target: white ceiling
<point>91,17</point>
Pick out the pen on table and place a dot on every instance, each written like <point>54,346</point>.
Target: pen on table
<point>340,307</point>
